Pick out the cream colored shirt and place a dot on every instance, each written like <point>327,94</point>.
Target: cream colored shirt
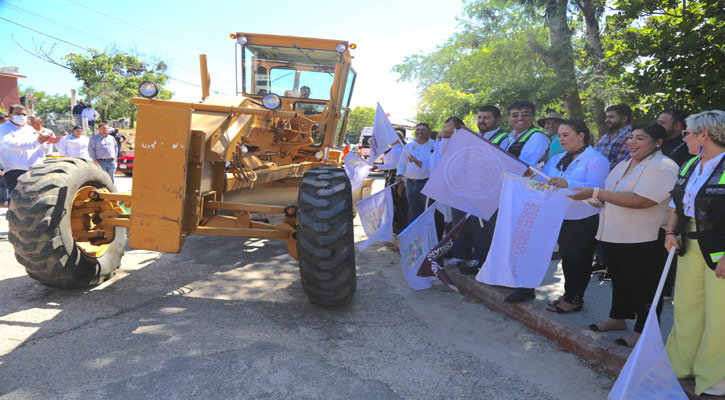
<point>653,179</point>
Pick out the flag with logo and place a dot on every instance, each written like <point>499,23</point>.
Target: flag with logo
<point>527,228</point>
<point>376,217</point>
<point>415,243</point>
<point>648,374</point>
<point>383,134</point>
<point>469,175</point>
<point>356,169</point>
<point>431,266</point>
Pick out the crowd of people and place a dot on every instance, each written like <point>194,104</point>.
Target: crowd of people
<point>24,142</point>
<point>646,188</point>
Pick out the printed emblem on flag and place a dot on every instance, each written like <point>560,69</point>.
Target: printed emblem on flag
<point>468,159</point>
<point>373,220</point>
<point>414,251</point>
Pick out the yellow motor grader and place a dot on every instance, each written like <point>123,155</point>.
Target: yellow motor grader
<point>206,169</point>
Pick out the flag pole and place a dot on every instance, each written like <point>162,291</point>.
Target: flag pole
<point>541,174</point>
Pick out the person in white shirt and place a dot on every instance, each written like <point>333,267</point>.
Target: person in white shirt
<point>20,146</point>
<point>37,124</point>
<point>74,145</point>
<point>91,115</point>
<point>579,166</point>
<point>414,169</point>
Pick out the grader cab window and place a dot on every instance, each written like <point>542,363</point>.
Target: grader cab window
<point>289,71</point>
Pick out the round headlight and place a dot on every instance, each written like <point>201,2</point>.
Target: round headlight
<point>271,101</point>
<point>148,89</point>
<point>245,149</point>
<point>319,154</point>
<point>341,47</point>
<point>242,40</point>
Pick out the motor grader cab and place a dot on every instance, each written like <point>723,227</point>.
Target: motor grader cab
<point>207,169</point>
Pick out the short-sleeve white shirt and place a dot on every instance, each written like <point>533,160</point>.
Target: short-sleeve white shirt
<point>653,178</point>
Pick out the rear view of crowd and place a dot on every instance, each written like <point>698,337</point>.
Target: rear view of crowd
<point>645,188</point>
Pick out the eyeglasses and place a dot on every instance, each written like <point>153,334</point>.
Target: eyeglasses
<point>522,115</point>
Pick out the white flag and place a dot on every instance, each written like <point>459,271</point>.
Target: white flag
<point>468,176</point>
<point>415,243</point>
<point>383,134</point>
<point>376,216</point>
<point>648,374</point>
<point>356,169</point>
<point>527,228</point>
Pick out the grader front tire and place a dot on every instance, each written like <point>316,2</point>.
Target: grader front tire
<point>40,226</point>
<point>325,238</point>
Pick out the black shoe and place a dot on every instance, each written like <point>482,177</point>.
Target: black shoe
<point>598,268</point>
<point>520,296</point>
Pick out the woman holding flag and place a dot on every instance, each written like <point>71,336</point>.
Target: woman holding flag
<point>697,215</point>
<point>580,165</point>
<point>635,199</point>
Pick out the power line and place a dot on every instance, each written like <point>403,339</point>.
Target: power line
<point>44,34</point>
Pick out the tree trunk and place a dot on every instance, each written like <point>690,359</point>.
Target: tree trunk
<point>591,14</point>
<point>563,57</point>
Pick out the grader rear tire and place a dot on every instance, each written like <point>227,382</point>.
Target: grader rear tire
<point>325,238</point>
<point>40,228</point>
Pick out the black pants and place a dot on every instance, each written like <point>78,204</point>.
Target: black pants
<point>11,179</point>
<point>576,247</point>
<point>635,269</point>
<point>400,203</point>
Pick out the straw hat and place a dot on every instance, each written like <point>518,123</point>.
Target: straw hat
<point>550,115</point>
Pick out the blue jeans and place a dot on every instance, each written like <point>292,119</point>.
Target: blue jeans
<point>474,241</point>
<point>416,199</point>
<point>108,166</point>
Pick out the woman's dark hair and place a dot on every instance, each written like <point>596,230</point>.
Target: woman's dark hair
<point>76,127</point>
<point>652,129</point>
<point>579,127</point>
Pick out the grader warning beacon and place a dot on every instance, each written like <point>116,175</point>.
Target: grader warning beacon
<point>205,169</point>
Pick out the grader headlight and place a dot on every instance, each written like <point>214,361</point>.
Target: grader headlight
<point>341,47</point>
<point>271,101</point>
<point>148,89</point>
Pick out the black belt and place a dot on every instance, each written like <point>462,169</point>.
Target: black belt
<point>105,159</point>
<point>416,180</point>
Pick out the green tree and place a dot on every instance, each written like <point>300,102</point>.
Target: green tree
<point>359,118</point>
<point>111,80</point>
<point>671,53</point>
<point>49,107</point>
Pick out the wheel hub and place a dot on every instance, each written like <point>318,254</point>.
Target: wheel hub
<point>91,236</point>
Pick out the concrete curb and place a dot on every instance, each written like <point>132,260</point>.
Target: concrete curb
<point>590,346</point>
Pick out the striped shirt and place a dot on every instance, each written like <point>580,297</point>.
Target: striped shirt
<point>614,147</point>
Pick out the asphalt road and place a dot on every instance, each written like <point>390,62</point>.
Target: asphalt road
<point>227,319</point>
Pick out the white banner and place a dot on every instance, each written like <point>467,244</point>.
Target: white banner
<point>383,134</point>
<point>648,374</point>
<point>376,217</point>
<point>527,228</point>
<point>415,243</point>
<point>468,176</point>
<point>356,169</point>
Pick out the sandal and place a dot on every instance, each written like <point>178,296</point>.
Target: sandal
<point>559,310</point>
<point>555,302</point>
<point>607,325</point>
<point>628,341</point>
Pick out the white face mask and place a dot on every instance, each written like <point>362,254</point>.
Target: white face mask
<point>20,119</point>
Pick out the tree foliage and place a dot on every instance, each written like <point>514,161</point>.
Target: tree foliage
<point>673,52</point>
<point>359,118</point>
<point>110,80</point>
<point>49,107</point>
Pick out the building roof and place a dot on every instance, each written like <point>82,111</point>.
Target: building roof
<point>9,75</point>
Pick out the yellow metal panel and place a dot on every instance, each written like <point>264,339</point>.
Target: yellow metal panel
<point>159,177</point>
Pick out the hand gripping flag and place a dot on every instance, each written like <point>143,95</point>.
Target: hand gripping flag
<point>376,216</point>
<point>356,169</point>
<point>469,175</point>
<point>383,134</point>
<point>431,267</point>
<point>648,374</point>
<point>527,228</point>
<point>415,242</point>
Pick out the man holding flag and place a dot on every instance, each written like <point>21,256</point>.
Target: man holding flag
<point>414,169</point>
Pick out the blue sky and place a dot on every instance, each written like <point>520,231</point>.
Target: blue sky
<point>178,31</point>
